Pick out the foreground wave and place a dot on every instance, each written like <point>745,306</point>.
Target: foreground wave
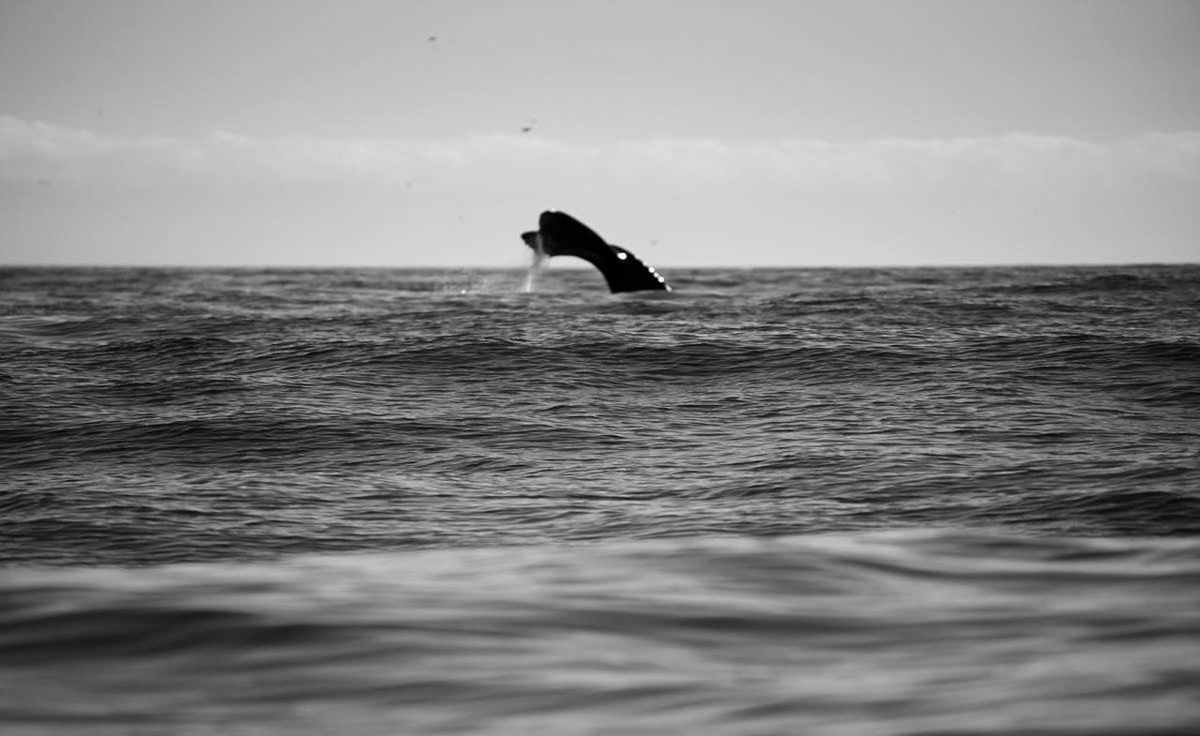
<point>901,632</point>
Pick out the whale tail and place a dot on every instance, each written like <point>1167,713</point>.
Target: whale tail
<point>559,234</point>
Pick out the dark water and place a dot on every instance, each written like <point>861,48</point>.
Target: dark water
<point>770,502</point>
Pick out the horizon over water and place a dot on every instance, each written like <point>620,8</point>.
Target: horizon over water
<point>371,501</point>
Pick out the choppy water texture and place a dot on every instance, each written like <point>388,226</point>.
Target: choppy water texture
<point>770,502</point>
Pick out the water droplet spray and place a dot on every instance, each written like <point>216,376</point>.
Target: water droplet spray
<point>535,266</point>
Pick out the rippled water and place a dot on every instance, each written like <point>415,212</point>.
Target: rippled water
<point>784,501</point>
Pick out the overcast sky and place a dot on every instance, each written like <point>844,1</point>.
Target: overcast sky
<point>695,132</point>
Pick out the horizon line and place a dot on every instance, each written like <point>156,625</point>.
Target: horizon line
<point>572,267</point>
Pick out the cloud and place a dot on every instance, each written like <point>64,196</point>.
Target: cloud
<point>35,149</point>
<point>1018,197</point>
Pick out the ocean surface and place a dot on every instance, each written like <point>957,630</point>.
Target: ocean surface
<point>816,501</point>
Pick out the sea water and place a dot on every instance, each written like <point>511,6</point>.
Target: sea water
<point>886,501</point>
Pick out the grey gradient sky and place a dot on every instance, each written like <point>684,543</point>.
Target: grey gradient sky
<point>696,133</point>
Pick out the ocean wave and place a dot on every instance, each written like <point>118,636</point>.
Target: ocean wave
<point>822,634</point>
<point>771,401</point>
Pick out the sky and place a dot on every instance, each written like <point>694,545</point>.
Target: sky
<point>694,132</point>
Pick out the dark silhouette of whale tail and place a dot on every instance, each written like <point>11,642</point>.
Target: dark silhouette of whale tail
<point>559,234</point>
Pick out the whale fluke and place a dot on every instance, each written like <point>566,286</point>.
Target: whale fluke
<point>559,234</point>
